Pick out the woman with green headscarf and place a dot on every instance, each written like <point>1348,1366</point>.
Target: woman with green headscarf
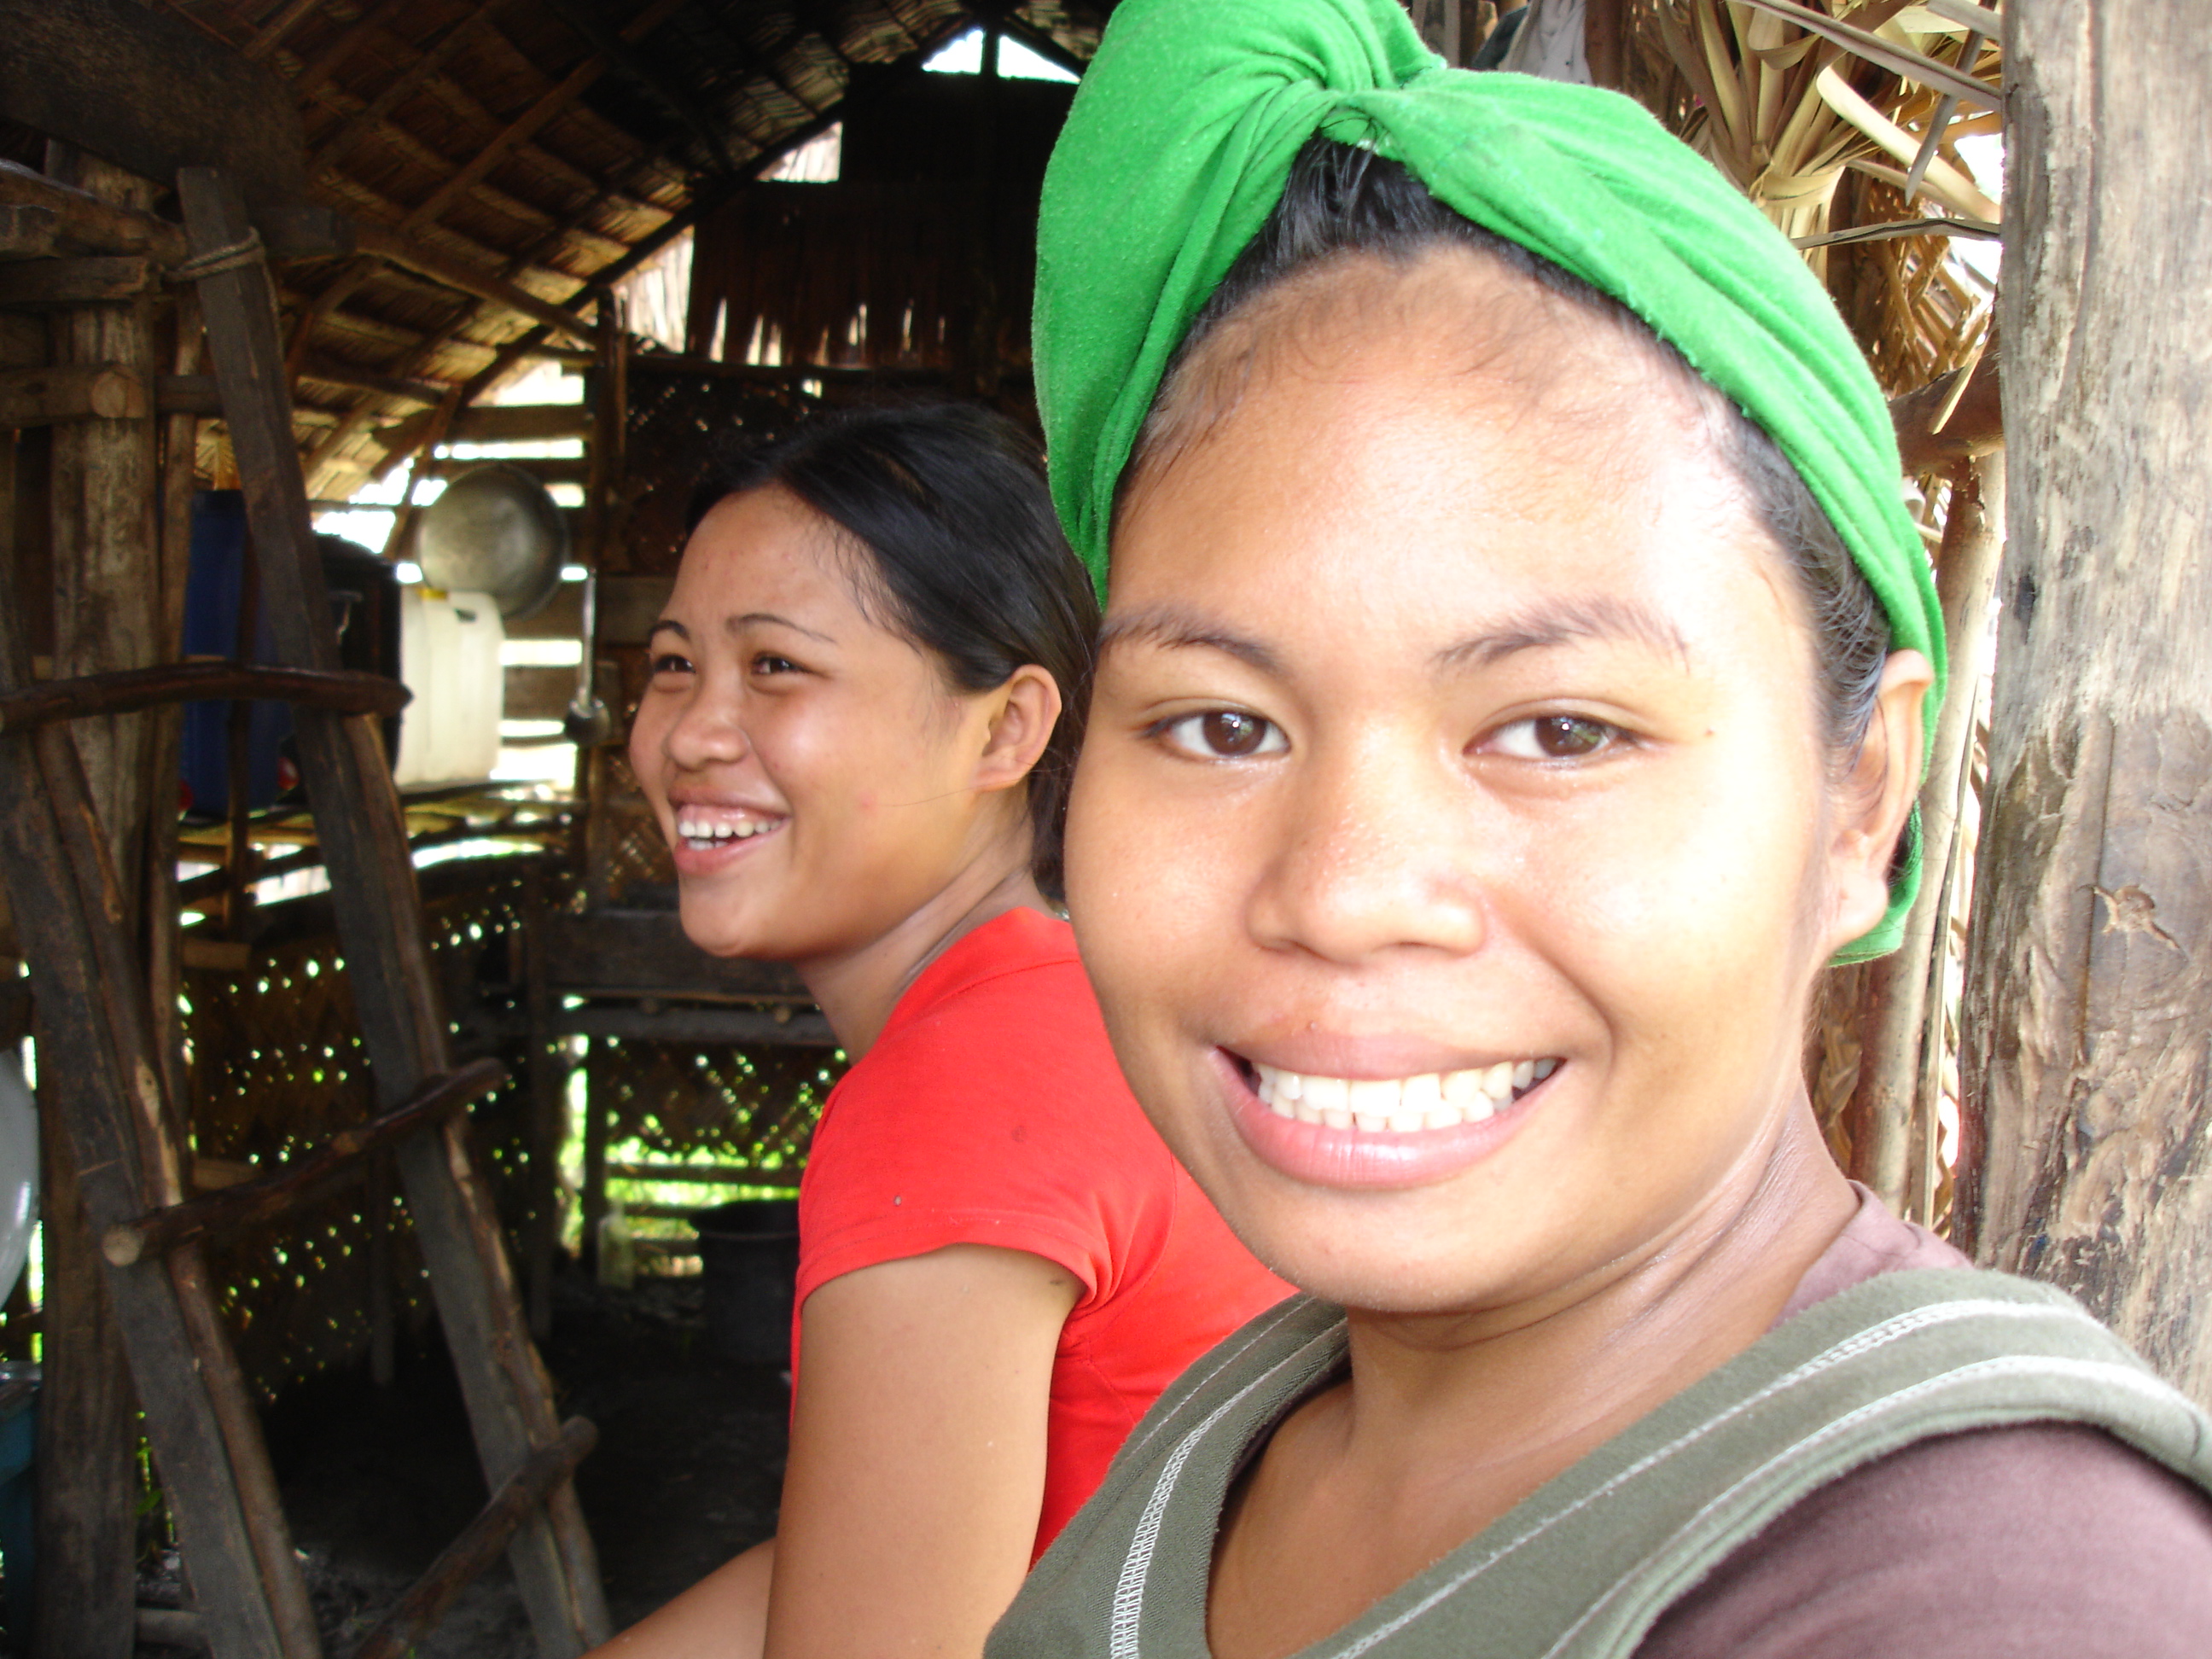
<point>1512,695</point>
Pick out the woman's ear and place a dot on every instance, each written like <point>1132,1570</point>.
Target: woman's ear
<point>1025,710</point>
<point>1875,797</point>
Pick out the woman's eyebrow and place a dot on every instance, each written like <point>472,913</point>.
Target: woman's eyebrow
<point>737,624</point>
<point>1172,629</point>
<point>664,626</point>
<point>1563,621</point>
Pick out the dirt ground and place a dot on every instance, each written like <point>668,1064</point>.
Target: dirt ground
<point>686,1473</point>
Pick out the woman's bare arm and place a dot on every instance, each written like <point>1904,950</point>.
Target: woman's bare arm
<point>723,1616</point>
<point>910,1502</point>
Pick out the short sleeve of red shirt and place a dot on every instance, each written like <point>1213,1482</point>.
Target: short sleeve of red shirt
<point>991,1111</point>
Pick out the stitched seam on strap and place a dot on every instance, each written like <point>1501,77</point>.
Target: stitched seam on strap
<point>1125,1616</point>
<point>2121,1377</point>
<point>1889,1330</point>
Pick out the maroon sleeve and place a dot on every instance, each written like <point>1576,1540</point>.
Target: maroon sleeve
<point>2045,1541</point>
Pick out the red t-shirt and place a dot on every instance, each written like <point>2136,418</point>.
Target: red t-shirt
<point>991,1111</point>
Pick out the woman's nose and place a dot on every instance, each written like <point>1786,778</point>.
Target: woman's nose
<point>708,730</point>
<point>1377,849</point>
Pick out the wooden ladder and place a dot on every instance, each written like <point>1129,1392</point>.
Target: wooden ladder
<point>119,1093</point>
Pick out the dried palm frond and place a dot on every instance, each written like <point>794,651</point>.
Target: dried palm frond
<point>1791,102</point>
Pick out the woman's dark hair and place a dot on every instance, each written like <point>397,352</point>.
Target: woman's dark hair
<point>1342,200</point>
<point>956,549</point>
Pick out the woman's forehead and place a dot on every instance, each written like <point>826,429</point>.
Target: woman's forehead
<point>1381,479</point>
<point>766,540</point>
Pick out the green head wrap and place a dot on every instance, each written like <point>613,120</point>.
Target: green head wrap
<point>1178,147</point>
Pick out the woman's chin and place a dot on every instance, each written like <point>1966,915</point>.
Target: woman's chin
<point>712,927</point>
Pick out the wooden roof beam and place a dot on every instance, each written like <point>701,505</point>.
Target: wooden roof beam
<point>315,70</point>
<point>880,80</point>
<point>407,144</point>
<point>424,74</point>
<point>274,33</point>
<point>517,131</point>
<point>657,81</point>
<point>424,260</point>
<point>332,371</point>
<point>339,141</point>
<point>83,221</point>
<point>520,130</point>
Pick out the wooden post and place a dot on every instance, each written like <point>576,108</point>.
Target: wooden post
<point>88,1491</point>
<point>164,930</point>
<point>377,1204</point>
<point>542,1079</point>
<point>106,594</point>
<point>599,1108</point>
<point>108,588</point>
<point>2089,991</point>
<point>379,907</point>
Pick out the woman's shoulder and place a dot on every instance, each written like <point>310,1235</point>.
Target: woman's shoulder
<point>1005,1014</point>
<point>990,1111</point>
<point>1022,965</point>
<point>2031,1538</point>
<point>2042,1538</point>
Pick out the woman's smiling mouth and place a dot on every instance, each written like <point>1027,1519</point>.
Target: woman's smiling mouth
<point>1434,1100</point>
<point>701,830</point>
<point>1381,1132</point>
<point>709,837</point>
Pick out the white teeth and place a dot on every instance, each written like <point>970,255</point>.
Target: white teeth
<point>707,831</point>
<point>1434,1100</point>
<point>1374,1096</point>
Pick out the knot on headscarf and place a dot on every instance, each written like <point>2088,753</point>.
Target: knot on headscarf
<point>1179,144</point>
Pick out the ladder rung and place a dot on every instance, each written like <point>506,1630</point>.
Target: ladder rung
<point>461,1561</point>
<point>294,1183</point>
<point>348,691</point>
<point>708,1174</point>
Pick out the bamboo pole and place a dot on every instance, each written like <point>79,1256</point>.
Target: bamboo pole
<point>1901,1007</point>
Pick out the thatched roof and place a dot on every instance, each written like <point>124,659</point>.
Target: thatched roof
<point>549,145</point>
<point>507,158</point>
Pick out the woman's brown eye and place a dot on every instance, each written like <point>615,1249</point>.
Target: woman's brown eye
<point>1222,734</point>
<point>1228,732</point>
<point>1563,737</point>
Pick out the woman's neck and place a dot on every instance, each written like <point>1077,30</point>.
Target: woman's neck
<point>1569,1373</point>
<point>857,990</point>
<point>1449,1420</point>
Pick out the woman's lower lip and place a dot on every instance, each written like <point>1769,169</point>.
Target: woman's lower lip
<point>692,860</point>
<point>1322,1157</point>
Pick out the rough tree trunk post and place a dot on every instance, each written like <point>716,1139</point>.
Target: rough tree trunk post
<point>2089,988</point>
<point>106,615</point>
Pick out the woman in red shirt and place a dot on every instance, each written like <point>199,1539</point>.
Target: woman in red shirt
<point>864,708</point>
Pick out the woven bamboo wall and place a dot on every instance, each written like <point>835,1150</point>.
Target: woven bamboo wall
<point>679,423</point>
<point>277,1066</point>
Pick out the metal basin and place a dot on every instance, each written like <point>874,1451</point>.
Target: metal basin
<point>495,530</point>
